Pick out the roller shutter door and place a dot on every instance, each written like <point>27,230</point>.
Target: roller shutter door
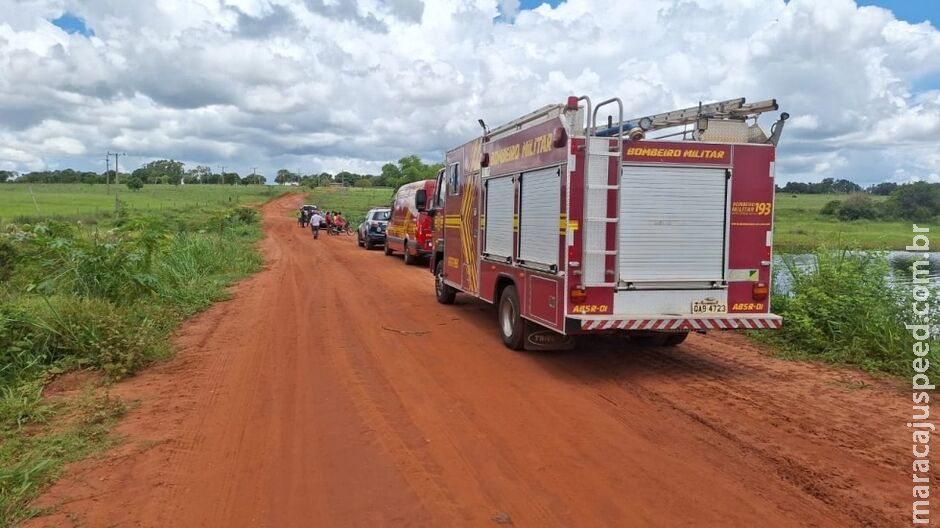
<point>499,212</point>
<point>672,224</point>
<point>539,222</point>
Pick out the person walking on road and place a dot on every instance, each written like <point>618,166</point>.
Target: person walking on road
<point>315,220</point>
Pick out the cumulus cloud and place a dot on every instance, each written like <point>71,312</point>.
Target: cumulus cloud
<point>317,85</point>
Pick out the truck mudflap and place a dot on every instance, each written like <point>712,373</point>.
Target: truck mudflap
<point>679,323</point>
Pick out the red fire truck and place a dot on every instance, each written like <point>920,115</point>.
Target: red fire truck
<point>571,227</point>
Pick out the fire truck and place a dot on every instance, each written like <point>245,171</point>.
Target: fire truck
<point>572,227</point>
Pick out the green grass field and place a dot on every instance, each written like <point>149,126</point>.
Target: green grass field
<point>351,201</point>
<point>798,226</point>
<point>77,200</point>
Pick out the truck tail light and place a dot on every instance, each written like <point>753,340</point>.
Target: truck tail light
<point>760,291</point>
<point>578,296</point>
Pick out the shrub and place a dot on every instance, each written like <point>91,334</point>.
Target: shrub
<point>135,183</point>
<point>831,208</point>
<point>918,201</point>
<point>844,308</point>
<point>107,266</point>
<point>857,207</point>
<point>69,333</point>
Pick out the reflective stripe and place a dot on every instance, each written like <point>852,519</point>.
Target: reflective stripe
<point>723,323</point>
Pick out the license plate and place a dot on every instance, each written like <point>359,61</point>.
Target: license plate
<point>709,307</point>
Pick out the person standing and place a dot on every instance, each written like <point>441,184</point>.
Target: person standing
<point>315,220</point>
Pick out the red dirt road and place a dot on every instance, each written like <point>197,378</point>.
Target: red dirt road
<point>332,390</point>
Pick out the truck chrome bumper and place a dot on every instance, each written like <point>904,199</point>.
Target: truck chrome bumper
<point>677,323</point>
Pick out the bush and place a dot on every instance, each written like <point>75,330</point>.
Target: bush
<point>71,333</point>
<point>857,207</point>
<point>135,183</point>
<point>831,208</point>
<point>918,201</point>
<point>845,308</point>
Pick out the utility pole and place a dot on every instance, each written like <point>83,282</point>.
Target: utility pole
<point>253,169</point>
<point>222,176</point>
<point>107,172</point>
<point>117,178</point>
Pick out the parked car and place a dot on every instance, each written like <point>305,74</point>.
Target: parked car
<point>410,229</point>
<point>372,230</point>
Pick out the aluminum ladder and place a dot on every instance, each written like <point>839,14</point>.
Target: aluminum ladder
<point>598,191</point>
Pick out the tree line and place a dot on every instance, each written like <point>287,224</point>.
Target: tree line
<point>406,170</point>
<point>840,186</point>
<point>172,172</point>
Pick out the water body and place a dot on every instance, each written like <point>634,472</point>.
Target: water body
<point>898,260</point>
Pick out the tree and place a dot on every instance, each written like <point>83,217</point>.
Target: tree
<point>201,174</point>
<point>254,179</point>
<point>363,182</point>
<point>6,176</point>
<point>155,171</point>
<point>846,186</point>
<point>918,201</point>
<point>285,176</point>
<point>883,189</point>
<point>135,183</point>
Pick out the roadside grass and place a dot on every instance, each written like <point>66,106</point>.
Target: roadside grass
<point>354,202</point>
<point>59,432</point>
<point>799,226</point>
<point>100,297</point>
<point>845,308</point>
<point>32,202</point>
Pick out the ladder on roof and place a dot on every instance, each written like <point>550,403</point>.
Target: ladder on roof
<point>732,109</point>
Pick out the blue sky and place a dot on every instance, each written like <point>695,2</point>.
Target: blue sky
<point>72,24</point>
<point>914,11</point>
<point>532,4</point>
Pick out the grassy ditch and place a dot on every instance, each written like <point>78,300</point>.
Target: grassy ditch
<point>97,298</point>
<point>848,308</point>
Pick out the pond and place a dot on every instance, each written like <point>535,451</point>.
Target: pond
<point>898,260</point>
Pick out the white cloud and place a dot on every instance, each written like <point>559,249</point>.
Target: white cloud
<point>350,84</point>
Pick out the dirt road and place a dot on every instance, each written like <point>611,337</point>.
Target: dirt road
<point>332,390</point>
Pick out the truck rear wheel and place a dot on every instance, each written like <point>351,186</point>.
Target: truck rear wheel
<point>511,325</point>
<point>445,294</point>
<point>409,258</point>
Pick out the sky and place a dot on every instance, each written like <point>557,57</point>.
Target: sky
<point>330,85</point>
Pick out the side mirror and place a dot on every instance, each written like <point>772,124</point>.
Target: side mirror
<point>421,200</point>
